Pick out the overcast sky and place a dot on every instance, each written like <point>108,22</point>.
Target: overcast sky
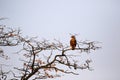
<point>96,20</point>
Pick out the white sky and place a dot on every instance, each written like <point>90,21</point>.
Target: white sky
<point>97,20</point>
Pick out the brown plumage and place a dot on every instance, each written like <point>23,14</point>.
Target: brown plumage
<point>73,42</point>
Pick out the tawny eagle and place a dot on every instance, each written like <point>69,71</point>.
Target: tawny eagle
<point>73,42</point>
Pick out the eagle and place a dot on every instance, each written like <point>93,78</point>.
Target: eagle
<point>73,42</point>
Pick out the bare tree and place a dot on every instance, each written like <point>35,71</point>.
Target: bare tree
<point>44,57</point>
<point>8,37</point>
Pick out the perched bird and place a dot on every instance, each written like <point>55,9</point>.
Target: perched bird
<point>73,42</point>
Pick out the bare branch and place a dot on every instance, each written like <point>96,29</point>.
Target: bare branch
<point>42,57</point>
